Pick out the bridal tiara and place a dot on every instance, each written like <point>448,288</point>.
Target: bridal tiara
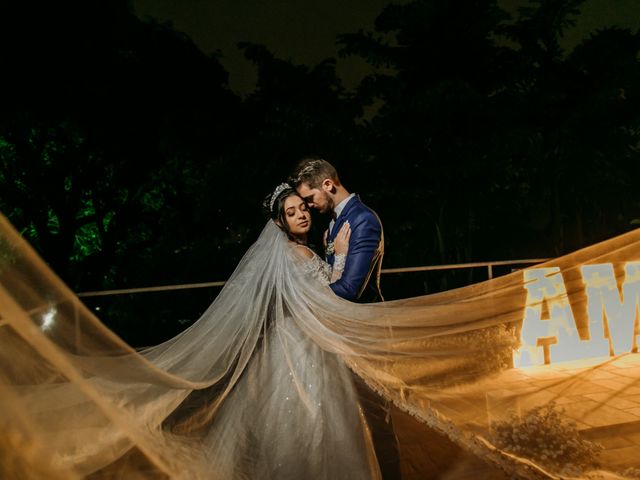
<point>279,189</point>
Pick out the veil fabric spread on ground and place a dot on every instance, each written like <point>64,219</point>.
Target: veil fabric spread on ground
<point>261,385</point>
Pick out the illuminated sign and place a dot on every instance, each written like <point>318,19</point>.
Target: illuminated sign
<point>607,317</point>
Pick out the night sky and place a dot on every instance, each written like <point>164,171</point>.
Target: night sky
<point>305,31</point>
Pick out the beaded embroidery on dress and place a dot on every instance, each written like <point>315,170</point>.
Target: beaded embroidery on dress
<point>321,270</point>
<point>318,268</point>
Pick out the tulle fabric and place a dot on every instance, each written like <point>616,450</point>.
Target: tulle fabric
<point>261,386</point>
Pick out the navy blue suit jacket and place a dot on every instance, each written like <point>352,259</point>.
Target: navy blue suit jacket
<point>360,280</point>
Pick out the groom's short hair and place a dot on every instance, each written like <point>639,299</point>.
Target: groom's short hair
<point>313,171</point>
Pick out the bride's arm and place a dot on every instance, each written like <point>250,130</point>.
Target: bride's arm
<point>341,246</point>
<point>339,261</point>
<point>313,264</point>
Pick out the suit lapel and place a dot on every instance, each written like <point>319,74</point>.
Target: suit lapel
<point>343,216</point>
<point>336,227</point>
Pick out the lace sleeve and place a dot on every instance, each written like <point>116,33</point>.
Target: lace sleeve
<point>321,270</point>
<point>339,262</point>
<point>318,268</point>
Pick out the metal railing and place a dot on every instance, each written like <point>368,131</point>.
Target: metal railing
<point>454,266</point>
<point>426,268</point>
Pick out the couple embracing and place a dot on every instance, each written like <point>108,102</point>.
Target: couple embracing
<point>354,242</point>
<point>354,247</point>
<point>261,386</point>
<point>272,381</point>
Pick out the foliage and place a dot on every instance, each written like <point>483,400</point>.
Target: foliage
<point>481,353</point>
<point>545,435</point>
<point>631,472</point>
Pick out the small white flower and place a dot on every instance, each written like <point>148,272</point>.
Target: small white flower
<point>330,250</point>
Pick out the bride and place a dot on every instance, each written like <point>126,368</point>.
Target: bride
<point>254,389</point>
<point>261,385</point>
<point>294,412</point>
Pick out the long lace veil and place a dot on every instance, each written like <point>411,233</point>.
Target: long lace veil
<point>77,401</point>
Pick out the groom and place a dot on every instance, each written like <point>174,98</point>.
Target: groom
<point>317,181</point>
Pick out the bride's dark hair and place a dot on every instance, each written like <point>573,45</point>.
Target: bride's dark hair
<point>275,208</point>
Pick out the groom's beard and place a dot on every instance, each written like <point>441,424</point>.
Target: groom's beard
<point>330,205</point>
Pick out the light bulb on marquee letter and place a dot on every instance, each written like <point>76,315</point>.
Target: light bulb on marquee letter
<point>556,335</point>
<point>609,310</point>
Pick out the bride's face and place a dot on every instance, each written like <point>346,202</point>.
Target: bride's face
<point>297,215</point>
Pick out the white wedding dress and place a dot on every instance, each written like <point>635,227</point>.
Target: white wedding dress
<point>294,413</point>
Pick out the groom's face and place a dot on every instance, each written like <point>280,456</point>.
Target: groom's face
<point>316,198</point>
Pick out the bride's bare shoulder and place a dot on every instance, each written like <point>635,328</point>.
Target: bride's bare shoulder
<point>303,251</point>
